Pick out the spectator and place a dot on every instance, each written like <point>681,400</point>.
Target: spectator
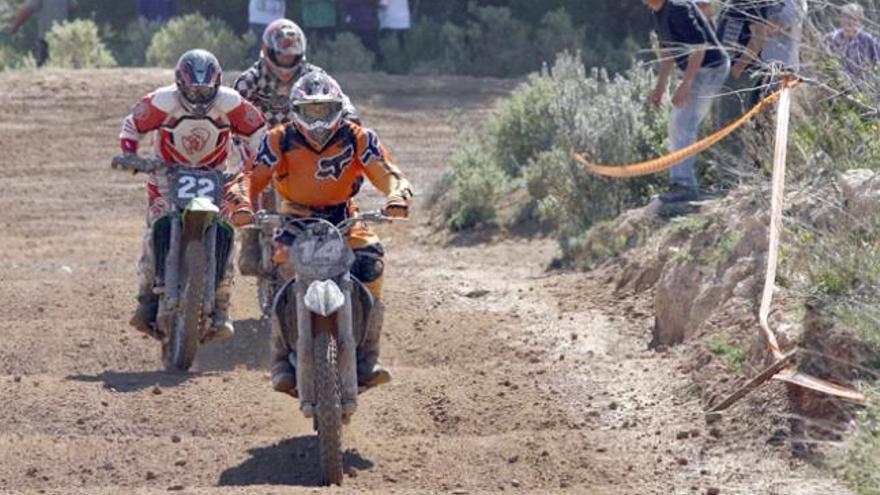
<point>48,12</point>
<point>858,51</point>
<point>157,10</point>
<point>705,7</point>
<point>394,17</point>
<point>737,23</point>
<point>362,18</point>
<point>261,13</point>
<point>319,19</point>
<point>785,22</point>
<point>687,40</point>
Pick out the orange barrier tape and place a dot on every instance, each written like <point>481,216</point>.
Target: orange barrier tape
<point>668,161</point>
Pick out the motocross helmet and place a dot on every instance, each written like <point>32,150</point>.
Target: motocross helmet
<point>317,103</point>
<point>198,76</point>
<point>284,48</point>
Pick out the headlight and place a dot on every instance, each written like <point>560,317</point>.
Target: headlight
<point>324,297</point>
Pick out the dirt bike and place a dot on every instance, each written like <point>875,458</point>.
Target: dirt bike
<point>323,311</point>
<point>187,242</point>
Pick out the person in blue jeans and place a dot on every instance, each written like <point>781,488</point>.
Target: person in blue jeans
<point>687,40</point>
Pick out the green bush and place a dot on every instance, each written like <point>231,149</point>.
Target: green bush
<point>556,33</point>
<point>13,59</point>
<point>130,45</point>
<point>344,53</point>
<point>195,31</point>
<point>491,43</point>
<point>477,185</point>
<point>76,44</point>
<point>528,140</point>
<point>863,452</point>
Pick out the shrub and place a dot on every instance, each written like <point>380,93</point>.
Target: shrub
<point>863,453</point>
<point>477,185</point>
<point>492,43</point>
<point>344,53</point>
<point>12,59</point>
<point>76,44</point>
<point>528,140</point>
<point>557,33</point>
<point>195,31</point>
<point>130,45</point>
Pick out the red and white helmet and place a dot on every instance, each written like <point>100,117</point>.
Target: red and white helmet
<point>284,37</point>
<point>198,75</point>
<point>317,102</point>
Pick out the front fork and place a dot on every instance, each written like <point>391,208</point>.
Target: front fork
<point>186,228</point>
<point>304,359</point>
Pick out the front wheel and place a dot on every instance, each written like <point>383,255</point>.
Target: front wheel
<point>179,351</point>
<point>328,417</point>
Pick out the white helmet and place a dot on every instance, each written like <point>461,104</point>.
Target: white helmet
<point>317,102</point>
<point>284,37</point>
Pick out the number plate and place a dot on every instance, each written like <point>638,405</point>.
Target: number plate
<point>187,185</point>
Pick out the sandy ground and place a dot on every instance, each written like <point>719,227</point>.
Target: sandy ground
<point>508,378</point>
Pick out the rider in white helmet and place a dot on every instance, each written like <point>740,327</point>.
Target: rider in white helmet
<point>267,84</point>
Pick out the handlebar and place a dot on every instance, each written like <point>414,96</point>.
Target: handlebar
<point>263,219</point>
<point>133,162</point>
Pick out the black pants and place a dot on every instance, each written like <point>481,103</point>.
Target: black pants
<point>41,52</point>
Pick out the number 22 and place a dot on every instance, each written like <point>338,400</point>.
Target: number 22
<point>187,183</point>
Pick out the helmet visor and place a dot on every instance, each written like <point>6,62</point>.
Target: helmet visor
<point>323,112</point>
<point>199,94</point>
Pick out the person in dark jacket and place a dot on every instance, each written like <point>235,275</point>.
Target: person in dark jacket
<point>361,17</point>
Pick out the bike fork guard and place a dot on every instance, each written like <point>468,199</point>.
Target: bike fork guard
<point>346,347</point>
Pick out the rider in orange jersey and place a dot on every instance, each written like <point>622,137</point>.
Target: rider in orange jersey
<point>317,164</point>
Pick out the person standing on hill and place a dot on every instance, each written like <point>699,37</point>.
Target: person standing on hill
<point>687,40</point>
<point>857,50</point>
<point>319,19</point>
<point>261,13</point>
<point>361,17</point>
<point>394,17</point>
<point>48,13</point>
<point>157,10</point>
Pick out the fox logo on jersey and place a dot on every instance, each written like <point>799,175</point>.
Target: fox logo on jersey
<point>265,156</point>
<point>334,166</point>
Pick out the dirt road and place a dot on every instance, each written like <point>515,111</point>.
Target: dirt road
<point>508,378</point>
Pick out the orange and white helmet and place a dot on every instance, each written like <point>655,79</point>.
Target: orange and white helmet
<point>317,103</point>
<point>284,37</point>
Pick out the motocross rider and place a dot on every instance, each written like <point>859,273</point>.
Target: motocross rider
<point>317,164</point>
<point>267,84</point>
<point>193,120</point>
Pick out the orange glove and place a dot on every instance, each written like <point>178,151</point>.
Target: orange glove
<point>242,217</point>
<point>396,209</point>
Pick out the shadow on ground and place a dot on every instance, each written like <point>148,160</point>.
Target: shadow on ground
<point>291,462</point>
<point>249,347</point>
<point>134,381</point>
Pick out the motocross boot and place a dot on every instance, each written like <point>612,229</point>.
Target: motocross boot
<point>249,258</point>
<point>144,317</point>
<point>283,374</point>
<point>221,324</point>
<point>370,372</point>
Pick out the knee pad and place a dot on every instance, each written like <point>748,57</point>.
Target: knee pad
<point>368,263</point>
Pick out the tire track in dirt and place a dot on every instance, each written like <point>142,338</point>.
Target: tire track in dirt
<point>507,378</point>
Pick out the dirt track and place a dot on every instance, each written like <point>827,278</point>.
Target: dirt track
<point>507,378</point>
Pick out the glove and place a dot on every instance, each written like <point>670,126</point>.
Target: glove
<point>396,209</point>
<point>242,218</point>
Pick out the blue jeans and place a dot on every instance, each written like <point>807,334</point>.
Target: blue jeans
<point>257,29</point>
<point>684,122</point>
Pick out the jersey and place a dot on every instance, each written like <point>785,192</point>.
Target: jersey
<point>272,95</point>
<point>304,177</point>
<point>189,140</point>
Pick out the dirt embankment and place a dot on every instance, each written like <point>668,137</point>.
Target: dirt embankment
<point>509,378</point>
